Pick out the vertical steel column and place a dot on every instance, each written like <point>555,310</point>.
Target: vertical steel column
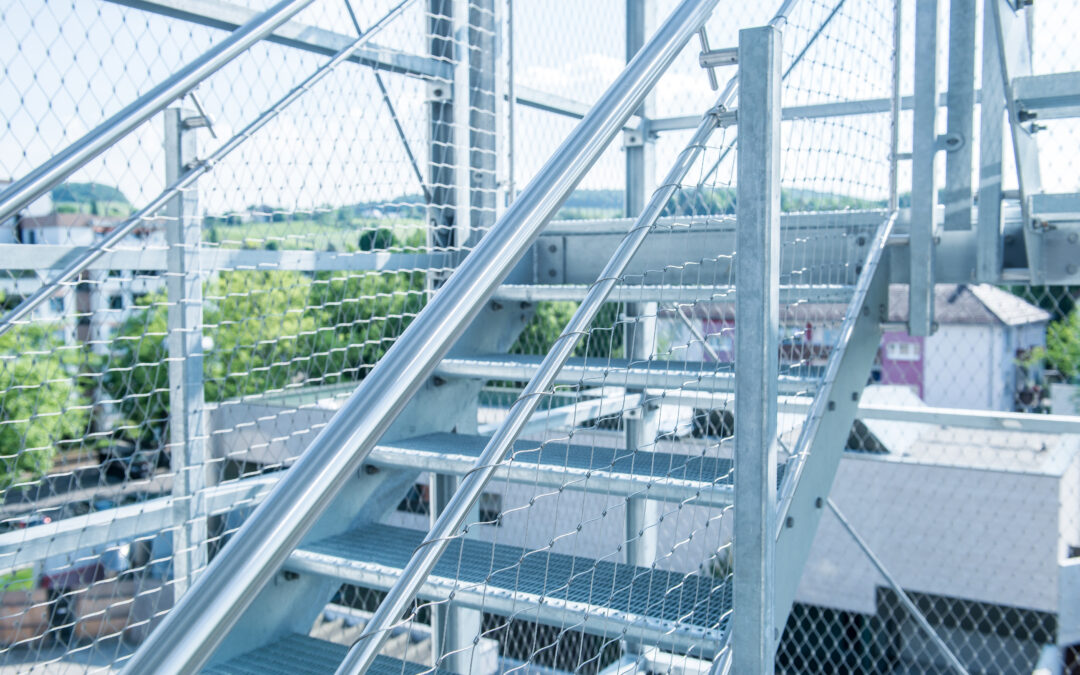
<point>457,127</point>
<point>988,245</point>
<point>923,176</point>
<point>640,336</point>
<point>441,132</point>
<point>483,115</point>
<point>452,628</point>
<point>894,122</point>
<point>961,110</point>
<point>187,409</point>
<point>757,275</point>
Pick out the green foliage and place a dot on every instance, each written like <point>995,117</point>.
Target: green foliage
<point>605,337</point>
<point>41,404</point>
<point>87,193</point>
<point>270,330</point>
<point>377,239</point>
<point>1062,351</point>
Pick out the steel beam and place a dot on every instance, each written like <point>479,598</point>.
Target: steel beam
<point>642,515</point>
<point>756,358</point>
<point>923,227</point>
<point>961,110</point>
<point>1049,96</point>
<point>1014,50</point>
<point>988,241</point>
<point>227,15</point>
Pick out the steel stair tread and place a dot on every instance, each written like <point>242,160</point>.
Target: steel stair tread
<point>599,371</point>
<point>297,654</point>
<point>665,475</point>
<point>600,596</point>
<point>668,293</point>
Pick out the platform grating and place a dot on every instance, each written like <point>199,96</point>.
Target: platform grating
<point>633,596</point>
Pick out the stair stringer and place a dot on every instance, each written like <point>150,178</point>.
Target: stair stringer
<point>799,522</point>
<point>293,601</point>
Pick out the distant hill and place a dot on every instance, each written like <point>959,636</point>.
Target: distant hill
<point>87,193</point>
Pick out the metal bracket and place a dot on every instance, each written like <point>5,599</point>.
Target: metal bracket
<point>633,138</point>
<point>950,142</point>
<point>710,70</point>
<point>439,92</point>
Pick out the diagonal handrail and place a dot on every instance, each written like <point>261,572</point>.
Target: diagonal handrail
<point>227,587</point>
<point>78,154</point>
<point>397,599</point>
<point>453,516</point>
<point>92,253</point>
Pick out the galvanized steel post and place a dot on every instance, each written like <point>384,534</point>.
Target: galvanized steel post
<point>187,409</point>
<point>757,277</point>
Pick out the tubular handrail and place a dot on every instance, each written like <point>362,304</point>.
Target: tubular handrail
<point>414,575</point>
<point>226,588</point>
<point>97,250</point>
<point>78,154</point>
<point>363,652</point>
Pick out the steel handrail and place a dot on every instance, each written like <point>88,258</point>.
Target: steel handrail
<point>226,588</point>
<point>495,452</point>
<point>78,154</point>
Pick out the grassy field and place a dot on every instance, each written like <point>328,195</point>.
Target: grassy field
<point>19,580</point>
<point>312,235</point>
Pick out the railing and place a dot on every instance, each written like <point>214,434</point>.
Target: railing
<point>202,618</point>
<point>336,200</point>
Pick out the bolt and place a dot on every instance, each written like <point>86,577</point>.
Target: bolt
<point>552,248</point>
<point>289,575</point>
<point>438,381</point>
<point>552,273</point>
<point>496,306</point>
<point>861,241</point>
<point>370,470</point>
<point>832,405</point>
<point>819,502</point>
<point>789,523</point>
<point>858,269</point>
<point>854,396</point>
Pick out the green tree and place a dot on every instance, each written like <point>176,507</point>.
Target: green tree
<point>270,329</point>
<point>1062,351</point>
<point>41,405</point>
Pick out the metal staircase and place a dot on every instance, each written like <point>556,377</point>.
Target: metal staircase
<point>322,523</point>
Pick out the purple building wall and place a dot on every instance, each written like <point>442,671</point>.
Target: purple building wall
<point>908,371</point>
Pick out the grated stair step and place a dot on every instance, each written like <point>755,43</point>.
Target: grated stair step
<point>668,294</point>
<point>302,655</point>
<point>659,475</point>
<point>597,372</point>
<point>679,612</point>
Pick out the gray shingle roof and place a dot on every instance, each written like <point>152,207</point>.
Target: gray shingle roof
<point>970,304</point>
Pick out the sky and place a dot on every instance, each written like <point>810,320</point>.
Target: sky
<point>69,64</point>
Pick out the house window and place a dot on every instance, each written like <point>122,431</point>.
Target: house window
<point>116,302</point>
<point>903,351</point>
<point>416,501</point>
<point>490,507</point>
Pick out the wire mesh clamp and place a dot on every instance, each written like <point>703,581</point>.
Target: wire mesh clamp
<point>711,59</point>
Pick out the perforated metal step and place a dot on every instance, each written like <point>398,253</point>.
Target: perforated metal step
<point>303,655</point>
<point>597,372</point>
<point>686,613</point>
<point>666,294</point>
<point>660,476</point>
